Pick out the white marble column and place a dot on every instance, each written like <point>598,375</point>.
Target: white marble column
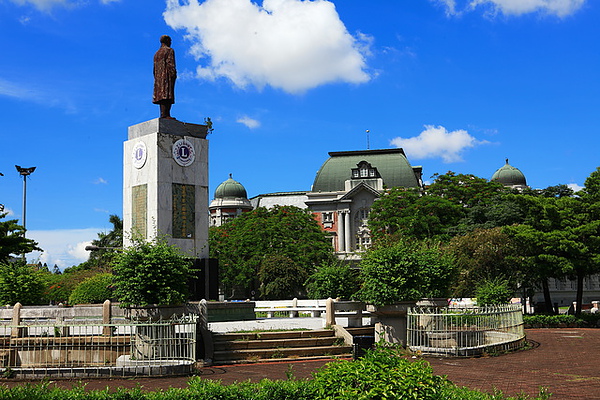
<point>340,231</point>
<point>347,235</point>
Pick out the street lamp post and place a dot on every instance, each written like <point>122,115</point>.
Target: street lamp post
<point>1,205</point>
<point>24,172</point>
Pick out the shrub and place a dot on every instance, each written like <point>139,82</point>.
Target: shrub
<point>405,271</point>
<point>493,292</point>
<point>151,273</point>
<point>561,320</point>
<point>92,290</point>
<point>381,374</point>
<point>20,283</point>
<point>333,280</point>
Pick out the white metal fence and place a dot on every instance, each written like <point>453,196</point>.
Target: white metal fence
<point>87,348</point>
<point>465,331</point>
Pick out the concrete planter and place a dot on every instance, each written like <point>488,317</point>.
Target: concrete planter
<point>391,321</point>
<point>154,312</point>
<point>391,325</point>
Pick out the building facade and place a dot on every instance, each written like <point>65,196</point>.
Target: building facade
<point>230,201</point>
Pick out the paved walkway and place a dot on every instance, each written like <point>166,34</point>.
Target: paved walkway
<point>563,360</point>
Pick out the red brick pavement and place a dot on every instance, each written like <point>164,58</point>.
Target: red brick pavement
<point>563,360</point>
<point>566,361</point>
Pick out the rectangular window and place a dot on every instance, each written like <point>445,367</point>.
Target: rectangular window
<point>327,217</point>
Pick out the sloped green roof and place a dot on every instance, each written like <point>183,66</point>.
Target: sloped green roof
<point>392,165</point>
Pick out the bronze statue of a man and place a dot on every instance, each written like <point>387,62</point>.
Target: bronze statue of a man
<point>164,77</point>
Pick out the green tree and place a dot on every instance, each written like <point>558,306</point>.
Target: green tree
<point>108,244</point>
<point>485,255</point>
<point>335,280</point>
<point>406,270</point>
<point>242,244</point>
<point>21,283</point>
<point>464,189</point>
<point>407,212</point>
<point>281,278</point>
<point>560,237</point>
<point>151,273</point>
<point>451,205</point>
<point>13,240</point>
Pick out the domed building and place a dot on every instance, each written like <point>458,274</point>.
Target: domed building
<point>343,191</point>
<point>510,176</point>
<point>345,188</point>
<point>230,200</point>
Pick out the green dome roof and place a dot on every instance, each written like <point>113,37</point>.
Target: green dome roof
<point>230,189</point>
<point>509,175</point>
<point>391,164</point>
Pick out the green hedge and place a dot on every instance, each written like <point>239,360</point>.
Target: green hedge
<point>93,290</point>
<point>381,374</point>
<point>562,321</point>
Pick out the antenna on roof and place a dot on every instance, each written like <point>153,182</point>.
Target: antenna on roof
<point>368,139</point>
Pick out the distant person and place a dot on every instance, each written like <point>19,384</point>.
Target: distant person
<point>164,77</point>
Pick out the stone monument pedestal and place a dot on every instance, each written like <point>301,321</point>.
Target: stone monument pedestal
<point>165,184</point>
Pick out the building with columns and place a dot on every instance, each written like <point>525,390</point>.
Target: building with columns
<point>343,191</point>
<point>346,186</point>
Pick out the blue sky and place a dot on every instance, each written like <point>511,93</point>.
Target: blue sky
<point>460,85</point>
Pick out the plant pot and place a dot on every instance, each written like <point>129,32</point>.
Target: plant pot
<point>391,325</point>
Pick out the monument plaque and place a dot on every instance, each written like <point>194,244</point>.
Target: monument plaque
<point>139,212</point>
<point>184,209</point>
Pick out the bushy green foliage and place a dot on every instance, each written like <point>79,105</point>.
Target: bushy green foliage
<point>381,374</point>
<point>482,255</point>
<point>562,320</point>
<point>58,287</point>
<point>242,245</point>
<point>20,283</point>
<point>405,271</point>
<point>151,273</point>
<point>281,278</point>
<point>95,289</point>
<point>335,280</point>
<point>495,291</point>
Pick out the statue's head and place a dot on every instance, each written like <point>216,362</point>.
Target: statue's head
<point>165,39</point>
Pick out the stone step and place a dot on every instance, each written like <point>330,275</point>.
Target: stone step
<point>275,343</point>
<point>254,355</point>
<point>272,335</point>
<point>364,331</point>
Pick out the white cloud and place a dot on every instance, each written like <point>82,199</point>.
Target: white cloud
<point>575,187</point>
<point>7,211</point>
<point>249,122</point>
<point>63,247</point>
<point>28,92</point>
<point>47,5</point>
<point>560,8</point>
<point>292,45</point>
<point>100,180</point>
<point>437,142</point>
<point>41,4</point>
